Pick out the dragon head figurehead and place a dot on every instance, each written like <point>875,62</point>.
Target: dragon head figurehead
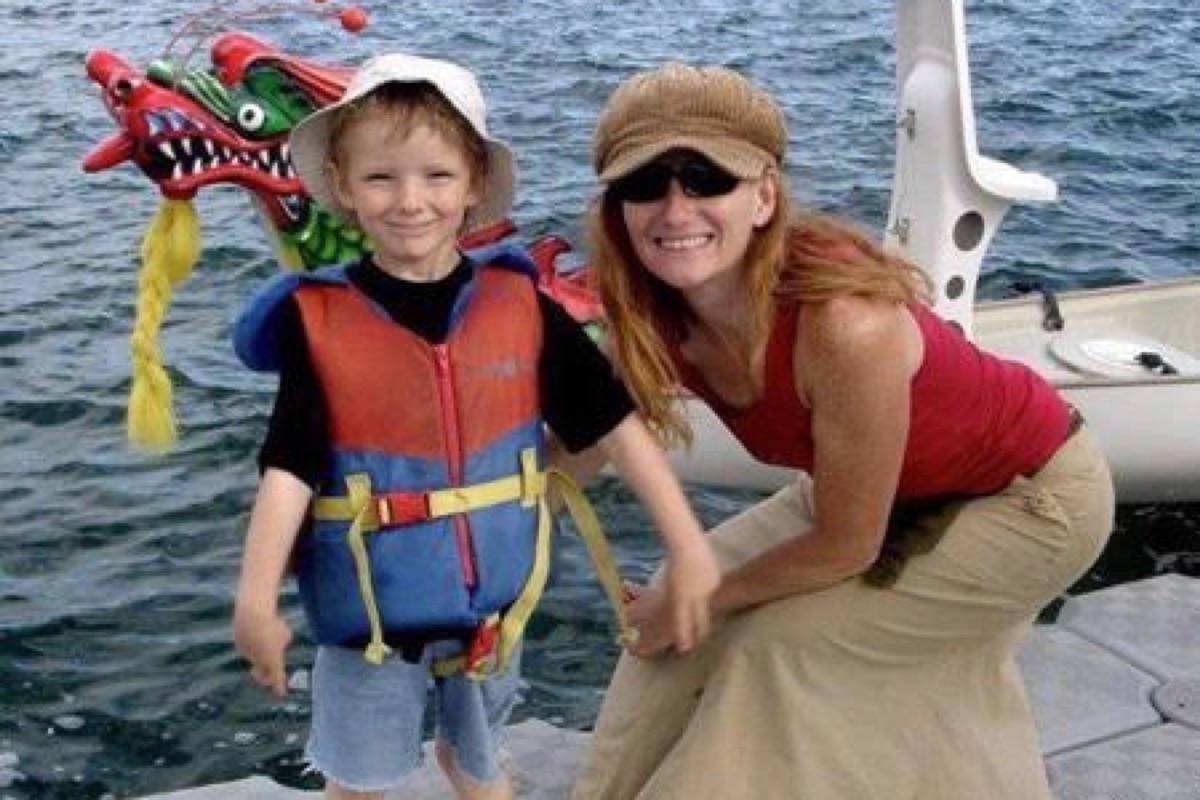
<point>191,128</point>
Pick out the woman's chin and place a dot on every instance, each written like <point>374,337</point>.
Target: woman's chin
<point>684,275</point>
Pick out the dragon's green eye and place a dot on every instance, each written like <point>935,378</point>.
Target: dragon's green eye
<point>251,117</point>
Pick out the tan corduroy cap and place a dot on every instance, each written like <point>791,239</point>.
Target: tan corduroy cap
<point>712,110</point>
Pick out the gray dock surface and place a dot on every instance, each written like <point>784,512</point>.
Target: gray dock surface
<point>1115,685</point>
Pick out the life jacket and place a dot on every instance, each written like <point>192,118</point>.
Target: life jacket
<point>433,520</point>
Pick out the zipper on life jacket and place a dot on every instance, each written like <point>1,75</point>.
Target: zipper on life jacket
<point>449,411</point>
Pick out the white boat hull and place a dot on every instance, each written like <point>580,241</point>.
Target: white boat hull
<point>1147,424</point>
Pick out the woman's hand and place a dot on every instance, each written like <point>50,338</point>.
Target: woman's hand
<point>649,615</point>
<point>262,638</point>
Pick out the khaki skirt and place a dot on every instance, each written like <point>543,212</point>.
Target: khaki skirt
<point>857,692</point>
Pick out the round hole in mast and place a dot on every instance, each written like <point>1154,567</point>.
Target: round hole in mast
<point>968,231</point>
<point>955,286</point>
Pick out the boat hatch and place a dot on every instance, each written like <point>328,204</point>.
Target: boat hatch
<point>1117,355</point>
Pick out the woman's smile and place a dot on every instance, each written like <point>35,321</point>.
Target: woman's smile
<point>680,243</point>
<point>688,242</point>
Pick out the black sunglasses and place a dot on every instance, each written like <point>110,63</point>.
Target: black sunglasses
<point>697,177</point>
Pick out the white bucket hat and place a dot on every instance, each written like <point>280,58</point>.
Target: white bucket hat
<point>309,140</point>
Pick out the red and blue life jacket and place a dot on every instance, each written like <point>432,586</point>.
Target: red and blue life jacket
<point>437,453</point>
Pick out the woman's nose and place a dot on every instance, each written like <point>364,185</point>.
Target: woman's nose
<point>675,202</point>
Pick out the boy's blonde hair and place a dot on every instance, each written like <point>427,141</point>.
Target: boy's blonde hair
<point>407,106</point>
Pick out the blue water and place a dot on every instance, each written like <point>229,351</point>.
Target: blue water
<point>117,677</point>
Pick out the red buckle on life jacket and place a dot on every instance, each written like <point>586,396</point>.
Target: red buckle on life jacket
<point>482,649</point>
<point>402,508</point>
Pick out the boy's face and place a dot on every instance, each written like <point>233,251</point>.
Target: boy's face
<point>410,192</point>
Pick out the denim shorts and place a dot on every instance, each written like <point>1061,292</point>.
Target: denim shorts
<point>367,720</point>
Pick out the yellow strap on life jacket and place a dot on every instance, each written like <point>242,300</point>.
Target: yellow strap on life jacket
<point>441,502</point>
<point>592,533</point>
<point>512,625</point>
<point>358,507</point>
<point>358,487</point>
<point>529,487</point>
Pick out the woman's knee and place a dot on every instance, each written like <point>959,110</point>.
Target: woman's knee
<point>1086,493</point>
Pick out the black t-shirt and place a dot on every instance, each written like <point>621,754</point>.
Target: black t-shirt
<point>581,397</point>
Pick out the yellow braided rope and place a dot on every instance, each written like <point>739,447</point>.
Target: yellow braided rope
<point>170,249</point>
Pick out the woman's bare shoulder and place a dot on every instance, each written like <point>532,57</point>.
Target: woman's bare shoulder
<point>853,334</point>
<point>850,323</point>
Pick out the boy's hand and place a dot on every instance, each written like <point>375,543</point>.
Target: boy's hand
<point>677,616</point>
<point>262,638</point>
<point>692,576</point>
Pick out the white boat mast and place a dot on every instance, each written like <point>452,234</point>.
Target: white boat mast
<point>947,199</point>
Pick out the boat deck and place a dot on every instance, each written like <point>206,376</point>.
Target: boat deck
<point>1115,685</point>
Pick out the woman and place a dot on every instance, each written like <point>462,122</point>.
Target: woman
<point>870,613</point>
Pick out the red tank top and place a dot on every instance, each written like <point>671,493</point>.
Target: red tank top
<point>976,420</point>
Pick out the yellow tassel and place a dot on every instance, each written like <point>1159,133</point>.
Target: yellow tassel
<point>170,249</point>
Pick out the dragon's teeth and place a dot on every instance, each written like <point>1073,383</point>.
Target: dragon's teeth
<point>166,150</point>
<point>187,145</point>
<point>178,172</point>
<point>208,147</point>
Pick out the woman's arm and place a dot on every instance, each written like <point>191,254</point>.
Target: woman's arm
<point>692,573</point>
<point>854,363</point>
<point>260,633</point>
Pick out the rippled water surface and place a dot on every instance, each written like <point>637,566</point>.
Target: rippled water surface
<point>117,677</point>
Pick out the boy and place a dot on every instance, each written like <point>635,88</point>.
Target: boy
<point>413,389</point>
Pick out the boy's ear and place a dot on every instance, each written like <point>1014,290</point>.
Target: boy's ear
<point>475,194</point>
<point>338,185</point>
